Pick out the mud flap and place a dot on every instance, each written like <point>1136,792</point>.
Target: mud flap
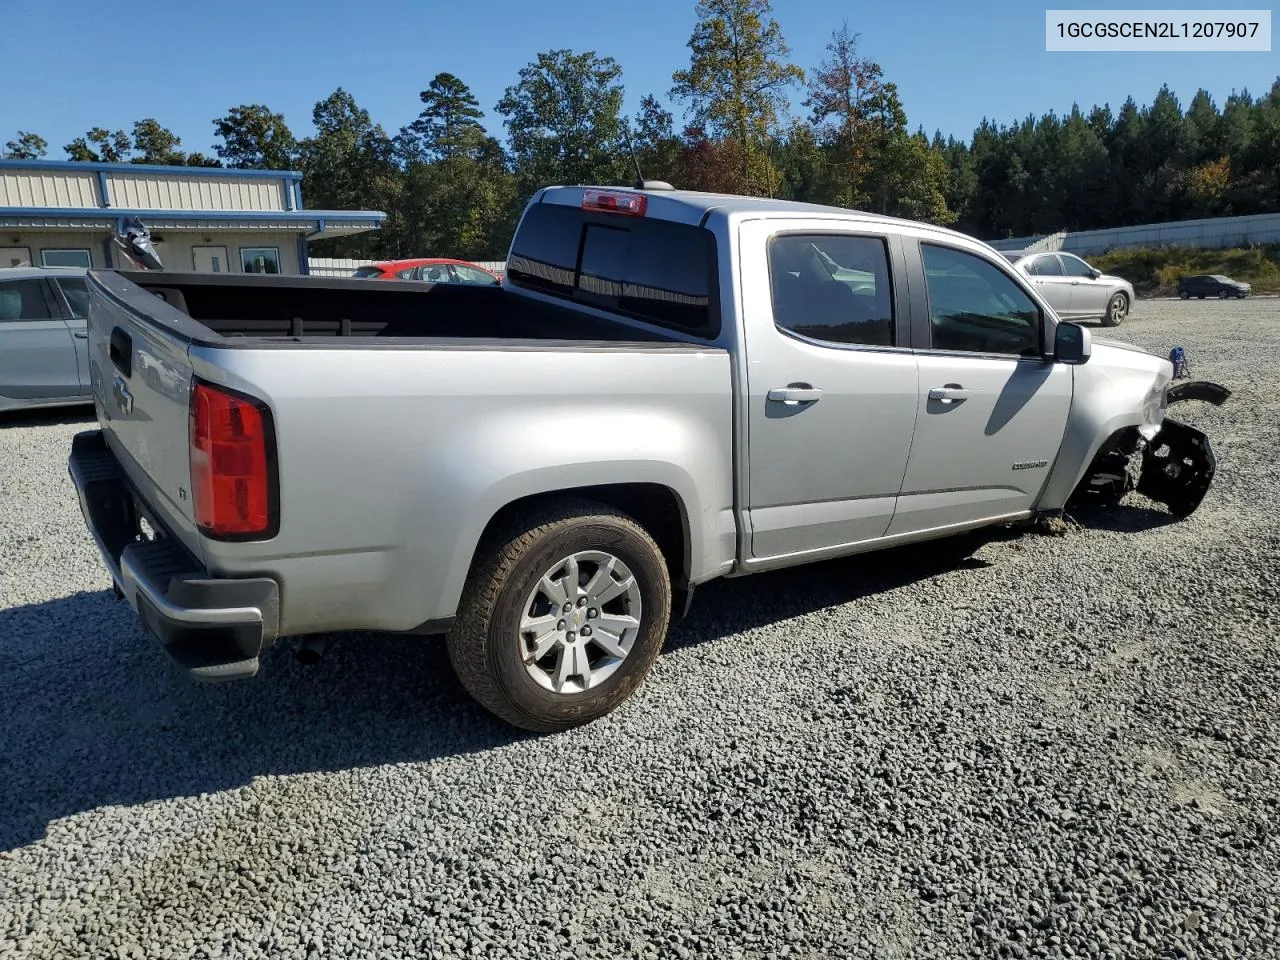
<point>1177,467</point>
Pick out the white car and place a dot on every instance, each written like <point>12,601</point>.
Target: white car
<point>1074,289</point>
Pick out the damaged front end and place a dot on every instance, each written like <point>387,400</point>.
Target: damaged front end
<point>1173,465</point>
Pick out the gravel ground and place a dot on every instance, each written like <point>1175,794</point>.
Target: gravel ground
<point>1062,746</point>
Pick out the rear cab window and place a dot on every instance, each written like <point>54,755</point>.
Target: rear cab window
<point>656,271</point>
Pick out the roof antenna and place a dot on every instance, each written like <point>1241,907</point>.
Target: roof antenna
<point>626,133</point>
<point>641,183</point>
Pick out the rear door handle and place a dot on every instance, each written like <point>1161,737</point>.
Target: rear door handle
<point>795,394</point>
<point>948,393</point>
<point>82,335</point>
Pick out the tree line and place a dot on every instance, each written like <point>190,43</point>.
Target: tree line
<point>451,188</point>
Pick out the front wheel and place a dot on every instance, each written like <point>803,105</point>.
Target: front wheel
<point>562,617</point>
<point>1184,295</point>
<point>1223,295</point>
<point>1117,310</point>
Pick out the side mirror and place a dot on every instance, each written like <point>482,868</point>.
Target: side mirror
<point>1095,272</point>
<point>1072,343</point>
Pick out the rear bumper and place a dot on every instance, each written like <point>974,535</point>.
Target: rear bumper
<point>215,628</point>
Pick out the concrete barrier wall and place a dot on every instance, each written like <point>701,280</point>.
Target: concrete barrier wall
<point>1215,233</point>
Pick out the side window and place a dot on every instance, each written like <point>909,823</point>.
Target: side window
<point>1046,267</point>
<point>77,293</point>
<point>975,307</point>
<point>408,273</point>
<point>1075,267</point>
<point>831,288</point>
<point>23,300</point>
<point>472,275</point>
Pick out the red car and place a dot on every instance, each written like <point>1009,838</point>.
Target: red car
<point>436,270</point>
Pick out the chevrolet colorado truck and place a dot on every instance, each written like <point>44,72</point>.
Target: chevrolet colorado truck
<point>668,387</point>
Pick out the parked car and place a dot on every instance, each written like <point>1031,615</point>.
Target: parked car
<point>1214,285</point>
<point>43,345</point>
<point>563,459</point>
<point>437,270</point>
<point>1074,289</point>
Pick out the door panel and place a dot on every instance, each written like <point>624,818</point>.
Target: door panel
<point>37,355</point>
<point>75,301</point>
<point>1052,284</point>
<point>1088,296</point>
<point>992,410</point>
<point>210,260</point>
<point>831,394</point>
<point>989,453</point>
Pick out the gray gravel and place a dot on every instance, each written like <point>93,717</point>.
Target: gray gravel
<point>1060,747</point>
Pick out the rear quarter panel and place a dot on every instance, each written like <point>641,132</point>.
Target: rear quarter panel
<point>392,460</point>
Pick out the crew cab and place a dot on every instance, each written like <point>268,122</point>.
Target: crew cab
<point>667,388</point>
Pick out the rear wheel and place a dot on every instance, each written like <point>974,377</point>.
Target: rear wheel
<point>1184,295</point>
<point>562,617</point>
<point>1117,310</point>
<point>1223,295</point>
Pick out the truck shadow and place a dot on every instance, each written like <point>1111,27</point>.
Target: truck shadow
<point>93,714</point>
<point>48,416</point>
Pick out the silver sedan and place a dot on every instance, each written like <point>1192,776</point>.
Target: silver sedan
<point>44,360</point>
<point>1075,290</point>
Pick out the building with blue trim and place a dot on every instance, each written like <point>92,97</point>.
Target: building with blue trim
<point>206,219</point>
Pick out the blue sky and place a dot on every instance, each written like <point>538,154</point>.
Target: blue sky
<point>74,64</point>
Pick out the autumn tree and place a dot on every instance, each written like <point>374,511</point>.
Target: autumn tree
<point>736,82</point>
<point>563,120</point>
<point>26,146</point>
<point>253,137</point>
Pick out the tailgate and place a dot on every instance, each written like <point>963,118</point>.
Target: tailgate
<point>141,379</point>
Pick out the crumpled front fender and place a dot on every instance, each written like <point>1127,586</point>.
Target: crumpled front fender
<point>1178,465</point>
<point>1206,390</point>
<point>1177,461</point>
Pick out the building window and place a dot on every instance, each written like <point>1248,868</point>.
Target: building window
<point>65,258</point>
<point>260,259</point>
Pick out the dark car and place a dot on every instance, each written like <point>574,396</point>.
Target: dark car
<point>1213,285</point>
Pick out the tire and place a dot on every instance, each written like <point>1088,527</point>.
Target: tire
<point>487,647</point>
<point>1117,310</point>
<point>1224,294</point>
<point>1184,295</point>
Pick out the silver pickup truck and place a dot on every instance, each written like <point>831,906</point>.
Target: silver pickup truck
<point>667,388</point>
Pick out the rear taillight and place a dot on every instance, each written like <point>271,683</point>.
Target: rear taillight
<point>232,479</point>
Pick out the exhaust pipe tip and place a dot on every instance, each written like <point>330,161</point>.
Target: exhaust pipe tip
<point>311,650</point>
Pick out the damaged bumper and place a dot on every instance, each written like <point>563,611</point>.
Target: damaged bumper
<point>1177,463</point>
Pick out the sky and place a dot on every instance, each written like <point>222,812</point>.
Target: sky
<point>76,64</point>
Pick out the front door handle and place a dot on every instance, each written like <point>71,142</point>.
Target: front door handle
<point>795,393</point>
<point>948,393</point>
<point>82,334</point>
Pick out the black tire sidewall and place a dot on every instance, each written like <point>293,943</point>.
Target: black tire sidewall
<point>503,651</point>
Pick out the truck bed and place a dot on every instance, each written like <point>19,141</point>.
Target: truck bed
<point>310,308</point>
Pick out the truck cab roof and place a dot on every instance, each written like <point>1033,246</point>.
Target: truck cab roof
<point>696,207</point>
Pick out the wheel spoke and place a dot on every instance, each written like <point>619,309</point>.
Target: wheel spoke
<point>553,589</point>
<point>532,624</point>
<point>571,588</point>
<point>542,646</point>
<point>603,574</point>
<point>582,665</point>
<point>616,623</point>
<point>609,642</point>
<point>614,590</point>
<point>565,662</point>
